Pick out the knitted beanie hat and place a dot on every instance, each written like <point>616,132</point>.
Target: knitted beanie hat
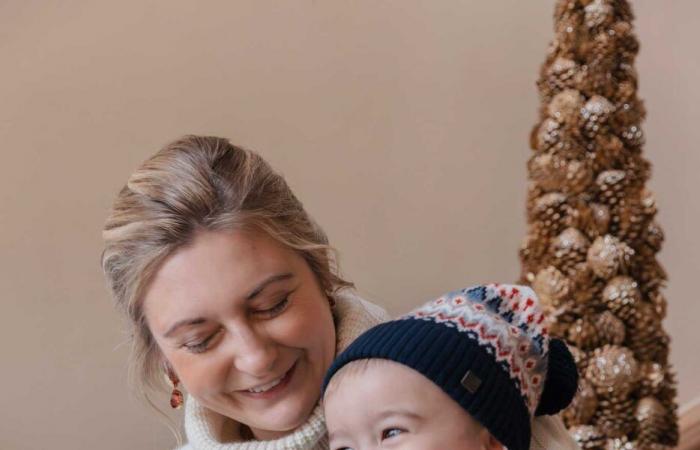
<point>487,348</point>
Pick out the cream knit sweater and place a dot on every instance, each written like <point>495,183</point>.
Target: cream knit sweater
<point>353,316</point>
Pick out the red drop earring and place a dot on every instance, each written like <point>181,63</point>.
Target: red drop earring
<point>176,397</point>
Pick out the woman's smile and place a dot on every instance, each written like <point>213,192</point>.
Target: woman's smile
<point>270,390</point>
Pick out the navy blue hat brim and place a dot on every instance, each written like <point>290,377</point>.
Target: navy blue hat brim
<point>444,355</point>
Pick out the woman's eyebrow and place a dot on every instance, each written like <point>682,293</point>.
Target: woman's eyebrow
<point>182,323</point>
<point>254,293</point>
<point>266,282</point>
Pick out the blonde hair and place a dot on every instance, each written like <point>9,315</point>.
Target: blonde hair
<point>197,183</point>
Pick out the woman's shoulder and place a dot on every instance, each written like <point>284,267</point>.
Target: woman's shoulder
<point>355,315</point>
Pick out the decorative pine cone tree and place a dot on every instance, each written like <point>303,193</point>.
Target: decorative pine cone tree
<point>590,251</point>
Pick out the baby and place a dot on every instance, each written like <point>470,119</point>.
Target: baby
<point>467,371</point>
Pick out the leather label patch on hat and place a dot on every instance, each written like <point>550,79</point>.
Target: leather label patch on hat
<point>471,382</point>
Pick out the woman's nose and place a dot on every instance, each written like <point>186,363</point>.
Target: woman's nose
<point>255,353</point>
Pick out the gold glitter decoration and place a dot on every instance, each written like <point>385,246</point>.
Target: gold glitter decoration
<point>569,250</point>
<point>653,421</point>
<point>551,172</point>
<point>612,185</point>
<point>595,113</point>
<point>613,418</point>
<point>612,369</point>
<point>592,238</point>
<point>565,107</point>
<point>583,334</point>
<point>622,295</point>
<point>552,287</point>
<point>580,358</point>
<point>552,211</point>
<point>588,437</point>
<point>598,14</point>
<point>659,301</point>
<point>611,330</point>
<point>654,236</point>
<point>621,443</point>
<point>652,377</point>
<point>583,406</point>
<point>607,256</point>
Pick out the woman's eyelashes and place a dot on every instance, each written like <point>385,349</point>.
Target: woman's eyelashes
<point>277,308</point>
<point>274,310</point>
<point>202,345</point>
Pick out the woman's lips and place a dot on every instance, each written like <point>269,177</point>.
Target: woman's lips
<point>275,390</point>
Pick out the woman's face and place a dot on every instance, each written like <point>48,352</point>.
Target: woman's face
<point>243,322</point>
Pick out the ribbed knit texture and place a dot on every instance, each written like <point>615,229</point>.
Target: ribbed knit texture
<point>203,427</point>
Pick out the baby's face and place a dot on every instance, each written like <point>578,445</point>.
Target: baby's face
<point>388,405</point>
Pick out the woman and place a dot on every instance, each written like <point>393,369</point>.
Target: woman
<point>231,289</point>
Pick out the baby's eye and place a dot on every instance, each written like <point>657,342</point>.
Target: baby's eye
<point>391,432</point>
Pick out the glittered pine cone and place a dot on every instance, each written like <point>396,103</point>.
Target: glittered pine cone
<point>606,151</point>
<point>652,344</point>
<point>653,421</point>
<point>659,301</point>
<point>628,223</point>
<point>588,437</point>
<point>638,170</point>
<point>608,256</point>
<point>580,358</point>
<point>557,77</point>
<point>652,377</point>
<point>650,273</point>
<point>582,407</point>
<point>551,136</point>
<point>598,15</point>
<point>583,334</point>
<point>612,186</point>
<point>613,371</point>
<point>565,108</point>
<point>648,202</point>
<point>546,135</point>
<point>552,172</point>
<point>621,295</point>
<point>632,136</point>
<point>552,288</point>
<point>613,416</point>
<point>553,212</point>
<point>594,219</point>
<point>653,236</point>
<point>569,250</point>
<point>611,330</point>
<point>621,443</point>
<point>533,250</point>
<point>628,112</point>
<point>595,115</point>
<point>626,42</point>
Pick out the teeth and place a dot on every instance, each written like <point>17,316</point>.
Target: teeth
<point>265,387</point>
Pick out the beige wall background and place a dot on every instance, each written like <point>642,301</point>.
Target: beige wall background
<point>402,125</point>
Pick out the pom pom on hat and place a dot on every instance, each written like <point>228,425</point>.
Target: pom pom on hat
<point>561,382</point>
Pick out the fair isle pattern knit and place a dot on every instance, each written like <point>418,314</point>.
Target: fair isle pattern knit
<point>504,319</point>
<point>204,427</point>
